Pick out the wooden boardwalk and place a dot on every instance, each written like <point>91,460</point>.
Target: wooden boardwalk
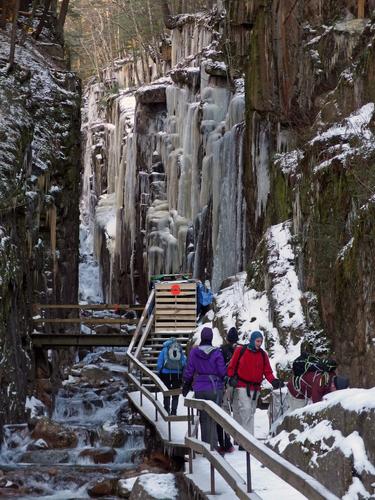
<point>66,340</point>
<point>63,332</point>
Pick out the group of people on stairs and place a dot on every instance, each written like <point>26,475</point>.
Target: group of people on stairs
<point>231,376</point>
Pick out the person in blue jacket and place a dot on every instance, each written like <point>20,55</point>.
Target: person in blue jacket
<point>171,362</point>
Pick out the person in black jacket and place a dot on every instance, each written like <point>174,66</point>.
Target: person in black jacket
<point>227,350</point>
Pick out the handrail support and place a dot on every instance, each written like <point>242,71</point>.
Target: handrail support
<point>190,416</point>
<point>212,468</point>
<point>248,473</point>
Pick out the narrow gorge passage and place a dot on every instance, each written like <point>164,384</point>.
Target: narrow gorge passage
<point>226,143</point>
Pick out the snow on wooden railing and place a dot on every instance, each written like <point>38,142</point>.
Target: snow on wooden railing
<point>288,472</point>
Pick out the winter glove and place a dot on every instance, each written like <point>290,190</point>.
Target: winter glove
<point>277,383</point>
<point>186,386</point>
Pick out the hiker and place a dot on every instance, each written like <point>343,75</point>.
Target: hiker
<point>171,363</point>
<point>247,368</point>
<point>312,379</point>
<point>205,372</point>
<point>204,297</point>
<point>228,351</point>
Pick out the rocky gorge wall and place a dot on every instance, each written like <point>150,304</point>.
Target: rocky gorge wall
<point>39,218</point>
<point>310,116</point>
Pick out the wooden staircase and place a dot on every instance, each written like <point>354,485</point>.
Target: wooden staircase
<point>173,315</point>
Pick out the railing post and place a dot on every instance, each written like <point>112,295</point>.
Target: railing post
<point>212,479</point>
<point>141,395</point>
<point>169,431</point>
<point>248,472</point>
<point>156,408</point>
<point>196,434</point>
<point>189,434</point>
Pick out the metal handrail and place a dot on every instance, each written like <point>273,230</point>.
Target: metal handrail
<point>303,482</point>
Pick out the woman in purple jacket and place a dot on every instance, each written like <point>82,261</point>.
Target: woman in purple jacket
<point>205,371</point>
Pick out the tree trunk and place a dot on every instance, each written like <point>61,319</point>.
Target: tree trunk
<point>3,18</point>
<point>169,20</point>
<point>39,28</point>
<point>62,17</point>
<point>361,9</point>
<point>13,35</point>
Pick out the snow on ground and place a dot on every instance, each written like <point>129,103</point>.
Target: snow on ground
<point>289,162</point>
<point>35,406</point>
<point>355,125</point>
<point>264,482</point>
<point>249,310</point>
<point>285,291</point>
<point>321,437</point>
<point>350,399</point>
<point>161,486</point>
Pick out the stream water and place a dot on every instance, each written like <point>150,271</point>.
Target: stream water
<point>90,442</point>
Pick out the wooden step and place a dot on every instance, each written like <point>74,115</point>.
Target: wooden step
<point>157,347</point>
<point>163,339</point>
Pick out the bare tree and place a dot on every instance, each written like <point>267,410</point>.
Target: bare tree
<point>169,20</point>
<point>62,16</point>
<point>42,21</point>
<point>4,10</point>
<point>361,8</point>
<point>13,35</point>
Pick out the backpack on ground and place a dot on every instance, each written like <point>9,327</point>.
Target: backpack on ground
<point>173,358</point>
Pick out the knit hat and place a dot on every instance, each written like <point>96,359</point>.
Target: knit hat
<point>206,336</point>
<point>256,334</point>
<point>232,335</point>
<point>341,382</point>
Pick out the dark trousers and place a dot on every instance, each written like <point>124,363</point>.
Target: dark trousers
<point>224,438</point>
<point>172,381</point>
<point>208,426</point>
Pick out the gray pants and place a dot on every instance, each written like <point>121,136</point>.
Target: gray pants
<point>208,426</point>
<point>244,407</point>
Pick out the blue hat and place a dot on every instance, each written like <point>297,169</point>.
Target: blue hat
<point>256,334</point>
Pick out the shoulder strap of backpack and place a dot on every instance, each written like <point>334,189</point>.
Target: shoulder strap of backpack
<point>239,357</point>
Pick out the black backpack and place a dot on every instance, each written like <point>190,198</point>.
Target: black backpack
<point>310,363</point>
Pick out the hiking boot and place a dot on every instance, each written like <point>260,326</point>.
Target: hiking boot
<point>229,449</point>
<point>220,450</point>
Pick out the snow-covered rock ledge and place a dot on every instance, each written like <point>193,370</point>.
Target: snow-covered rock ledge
<point>334,441</point>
